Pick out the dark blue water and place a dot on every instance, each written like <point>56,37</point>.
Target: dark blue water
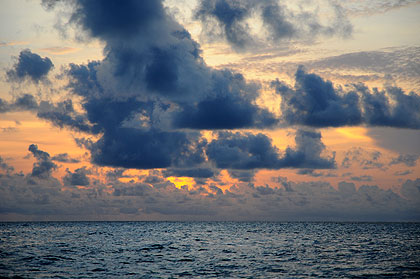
<point>209,250</point>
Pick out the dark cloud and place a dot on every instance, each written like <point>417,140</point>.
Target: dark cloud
<point>25,197</point>
<point>196,172</point>
<point>230,15</point>
<point>64,158</point>
<point>115,174</point>
<point>391,108</point>
<point>403,141</point>
<point>134,148</point>
<point>26,102</point>
<point>274,17</point>
<point>228,19</point>
<point>386,66</point>
<point>264,190</point>
<point>402,173</point>
<point>21,103</point>
<point>230,105</point>
<point>77,178</point>
<point>43,166</point>
<point>152,89</point>
<point>309,172</point>
<point>243,151</point>
<point>148,87</point>
<point>308,153</point>
<point>411,189</point>
<point>365,178</point>
<point>4,106</point>
<point>408,159</point>
<point>83,79</point>
<point>63,114</point>
<point>242,175</point>
<point>5,167</point>
<point>315,102</point>
<point>30,66</point>
<point>367,159</point>
<point>116,19</point>
<point>153,180</point>
<point>290,201</point>
<point>248,151</point>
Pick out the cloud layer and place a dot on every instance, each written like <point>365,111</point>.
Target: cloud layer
<point>28,197</point>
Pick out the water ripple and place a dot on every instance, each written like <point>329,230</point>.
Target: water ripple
<point>209,250</point>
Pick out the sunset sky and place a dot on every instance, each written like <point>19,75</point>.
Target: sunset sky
<point>210,110</point>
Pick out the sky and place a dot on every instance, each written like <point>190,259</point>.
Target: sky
<point>213,110</point>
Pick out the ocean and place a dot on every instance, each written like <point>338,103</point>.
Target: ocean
<point>209,250</point>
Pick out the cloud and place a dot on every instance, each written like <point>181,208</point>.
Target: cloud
<point>396,65</point>
<point>229,19</point>
<point>29,199</point>
<point>43,166</point>
<point>196,172</point>
<point>133,148</point>
<point>64,158</point>
<point>247,151</point>
<point>146,101</point>
<point>411,189</point>
<point>59,50</point>
<point>62,114</point>
<point>376,7</point>
<point>308,152</point>
<point>230,108</point>
<point>13,43</point>
<point>243,151</point>
<point>21,103</point>
<point>30,66</point>
<point>5,167</point>
<point>367,159</point>
<point>403,173</point>
<point>309,172</point>
<point>408,159</point>
<point>4,106</point>
<point>148,88</point>
<point>230,16</point>
<point>403,141</point>
<point>242,175</point>
<point>77,178</point>
<point>365,178</point>
<point>315,102</point>
<point>391,108</point>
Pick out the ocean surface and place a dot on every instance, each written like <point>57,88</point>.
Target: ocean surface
<point>209,250</point>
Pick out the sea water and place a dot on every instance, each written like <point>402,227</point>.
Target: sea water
<point>209,250</point>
